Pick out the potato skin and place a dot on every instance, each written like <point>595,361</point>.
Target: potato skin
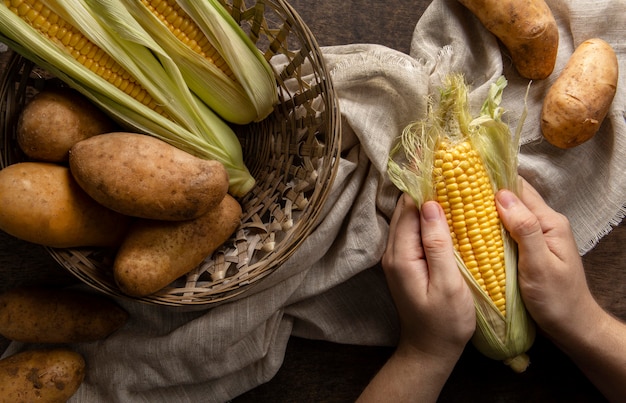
<point>155,253</point>
<point>54,315</point>
<point>56,119</point>
<point>46,376</point>
<point>41,203</point>
<point>527,29</point>
<point>578,101</point>
<point>141,176</point>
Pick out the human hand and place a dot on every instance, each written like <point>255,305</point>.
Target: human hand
<point>435,305</point>
<point>550,271</point>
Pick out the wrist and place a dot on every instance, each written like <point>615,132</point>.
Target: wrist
<point>441,359</point>
<point>410,374</point>
<point>582,333</point>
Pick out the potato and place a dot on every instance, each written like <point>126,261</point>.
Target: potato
<point>141,176</point>
<point>54,315</point>
<point>155,253</point>
<point>54,120</point>
<point>50,376</point>
<point>41,203</point>
<point>526,28</point>
<point>578,101</point>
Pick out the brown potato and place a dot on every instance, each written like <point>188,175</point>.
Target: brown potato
<point>56,119</point>
<point>50,376</point>
<point>155,253</point>
<point>41,203</point>
<point>54,315</point>
<point>526,28</point>
<point>579,99</point>
<point>141,176</point>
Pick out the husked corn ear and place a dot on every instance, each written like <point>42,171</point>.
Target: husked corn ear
<point>187,31</point>
<point>44,20</point>
<point>459,161</point>
<point>464,190</point>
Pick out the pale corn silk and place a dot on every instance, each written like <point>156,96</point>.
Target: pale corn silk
<point>325,291</point>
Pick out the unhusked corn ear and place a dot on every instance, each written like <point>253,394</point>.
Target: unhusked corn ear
<point>187,31</point>
<point>460,161</point>
<point>62,33</point>
<point>464,190</point>
<point>218,61</point>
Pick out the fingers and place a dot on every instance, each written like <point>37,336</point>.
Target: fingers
<point>532,212</point>
<point>535,203</point>
<point>543,236</point>
<point>416,238</point>
<point>403,243</point>
<point>521,223</point>
<point>437,245</point>
<point>403,263</point>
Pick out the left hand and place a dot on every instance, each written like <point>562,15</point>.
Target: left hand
<point>434,303</point>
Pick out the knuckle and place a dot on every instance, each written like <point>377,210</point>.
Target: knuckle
<point>526,226</point>
<point>434,243</point>
<point>562,222</point>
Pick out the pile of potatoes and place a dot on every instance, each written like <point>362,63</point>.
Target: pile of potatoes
<point>52,317</point>
<point>161,209</point>
<point>84,184</point>
<point>578,101</point>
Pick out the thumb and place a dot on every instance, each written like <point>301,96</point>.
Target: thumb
<point>437,244</point>
<point>523,225</point>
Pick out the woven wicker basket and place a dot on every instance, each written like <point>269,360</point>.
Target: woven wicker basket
<point>293,155</point>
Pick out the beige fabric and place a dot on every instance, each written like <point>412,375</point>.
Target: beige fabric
<point>327,289</point>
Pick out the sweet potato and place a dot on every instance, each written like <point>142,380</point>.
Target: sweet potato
<point>526,28</point>
<point>41,203</point>
<point>50,376</point>
<point>145,177</point>
<point>55,315</point>
<point>155,253</point>
<point>578,101</point>
<point>54,120</point>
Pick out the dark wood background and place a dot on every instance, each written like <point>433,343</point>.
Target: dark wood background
<point>318,371</point>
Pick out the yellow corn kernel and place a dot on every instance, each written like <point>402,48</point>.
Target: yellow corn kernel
<point>187,31</point>
<point>468,200</point>
<point>49,24</point>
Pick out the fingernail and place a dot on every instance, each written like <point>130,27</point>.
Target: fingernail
<point>430,211</point>
<point>506,198</point>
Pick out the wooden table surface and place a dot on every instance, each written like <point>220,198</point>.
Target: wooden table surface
<point>316,371</point>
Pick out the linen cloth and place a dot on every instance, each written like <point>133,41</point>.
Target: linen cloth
<point>332,288</point>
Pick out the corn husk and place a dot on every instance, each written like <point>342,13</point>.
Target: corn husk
<point>500,337</point>
<point>252,96</point>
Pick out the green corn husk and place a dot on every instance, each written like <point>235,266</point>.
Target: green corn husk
<point>249,98</point>
<point>410,167</point>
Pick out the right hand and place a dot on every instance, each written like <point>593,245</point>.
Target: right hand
<point>550,271</point>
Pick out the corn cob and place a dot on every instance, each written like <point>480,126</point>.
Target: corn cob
<point>99,49</point>
<point>464,191</point>
<point>460,162</point>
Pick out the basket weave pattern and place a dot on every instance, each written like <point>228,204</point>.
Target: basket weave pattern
<point>293,155</point>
